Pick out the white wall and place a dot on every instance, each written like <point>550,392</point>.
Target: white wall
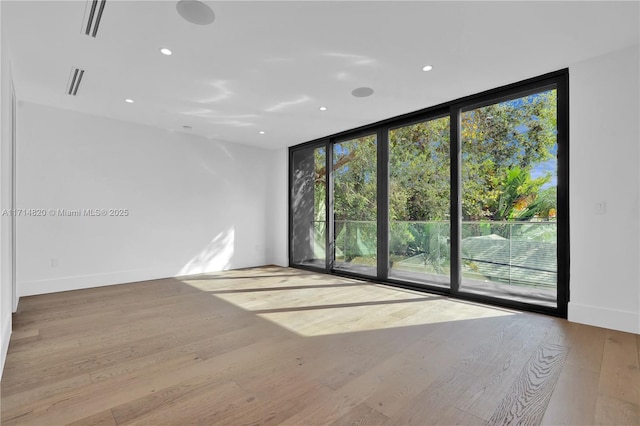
<point>278,209</point>
<point>5,161</point>
<point>604,164</point>
<point>195,205</point>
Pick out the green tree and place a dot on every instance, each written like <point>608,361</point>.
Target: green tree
<point>501,144</point>
<point>499,138</point>
<point>518,195</point>
<point>419,165</point>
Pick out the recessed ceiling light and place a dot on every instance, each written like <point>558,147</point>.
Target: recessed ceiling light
<point>427,68</point>
<point>129,101</point>
<point>165,51</point>
<point>362,92</point>
<point>261,132</point>
<point>323,108</point>
<point>195,12</point>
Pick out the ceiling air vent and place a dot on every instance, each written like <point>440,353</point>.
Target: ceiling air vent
<point>95,8</point>
<point>74,81</point>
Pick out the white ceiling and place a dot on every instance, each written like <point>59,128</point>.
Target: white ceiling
<point>269,66</point>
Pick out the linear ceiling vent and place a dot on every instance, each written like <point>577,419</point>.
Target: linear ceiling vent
<point>95,8</point>
<point>74,81</point>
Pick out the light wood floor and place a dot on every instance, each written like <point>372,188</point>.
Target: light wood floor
<point>282,346</point>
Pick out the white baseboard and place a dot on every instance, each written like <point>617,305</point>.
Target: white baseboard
<point>79,282</point>
<point>6,337</point>
<point>30,288</point>
<point>607,318</point>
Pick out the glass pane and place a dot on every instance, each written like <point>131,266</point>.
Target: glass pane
<point>419,200</point>
<point>308,211</point>
<point>355,205</point>
<point>509,199</point>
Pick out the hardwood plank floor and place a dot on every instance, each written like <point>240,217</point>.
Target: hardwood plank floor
<point>274,345</point>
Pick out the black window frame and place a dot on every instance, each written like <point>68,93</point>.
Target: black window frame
<point>560,81</point>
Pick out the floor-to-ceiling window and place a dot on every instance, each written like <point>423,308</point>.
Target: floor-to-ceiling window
<point>355,205</point>
<point>509,188</point>
<point>469,198</point>
<point>419,202</point>
<point>308,210</point>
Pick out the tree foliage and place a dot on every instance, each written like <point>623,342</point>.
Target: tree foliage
<point>355,179</point>
<point>499,139</point>
<point>501,144</point>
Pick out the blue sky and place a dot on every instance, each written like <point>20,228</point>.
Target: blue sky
<point>549,166</point>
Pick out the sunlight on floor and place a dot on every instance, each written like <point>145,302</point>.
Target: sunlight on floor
<point>315,304</point>
<point>335,320</point>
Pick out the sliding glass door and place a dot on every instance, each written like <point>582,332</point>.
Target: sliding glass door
<point>509,188</point>
<point>419,202</point>
<point>308,206</point>
<point>355,205</point>
<point>468,199</point>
